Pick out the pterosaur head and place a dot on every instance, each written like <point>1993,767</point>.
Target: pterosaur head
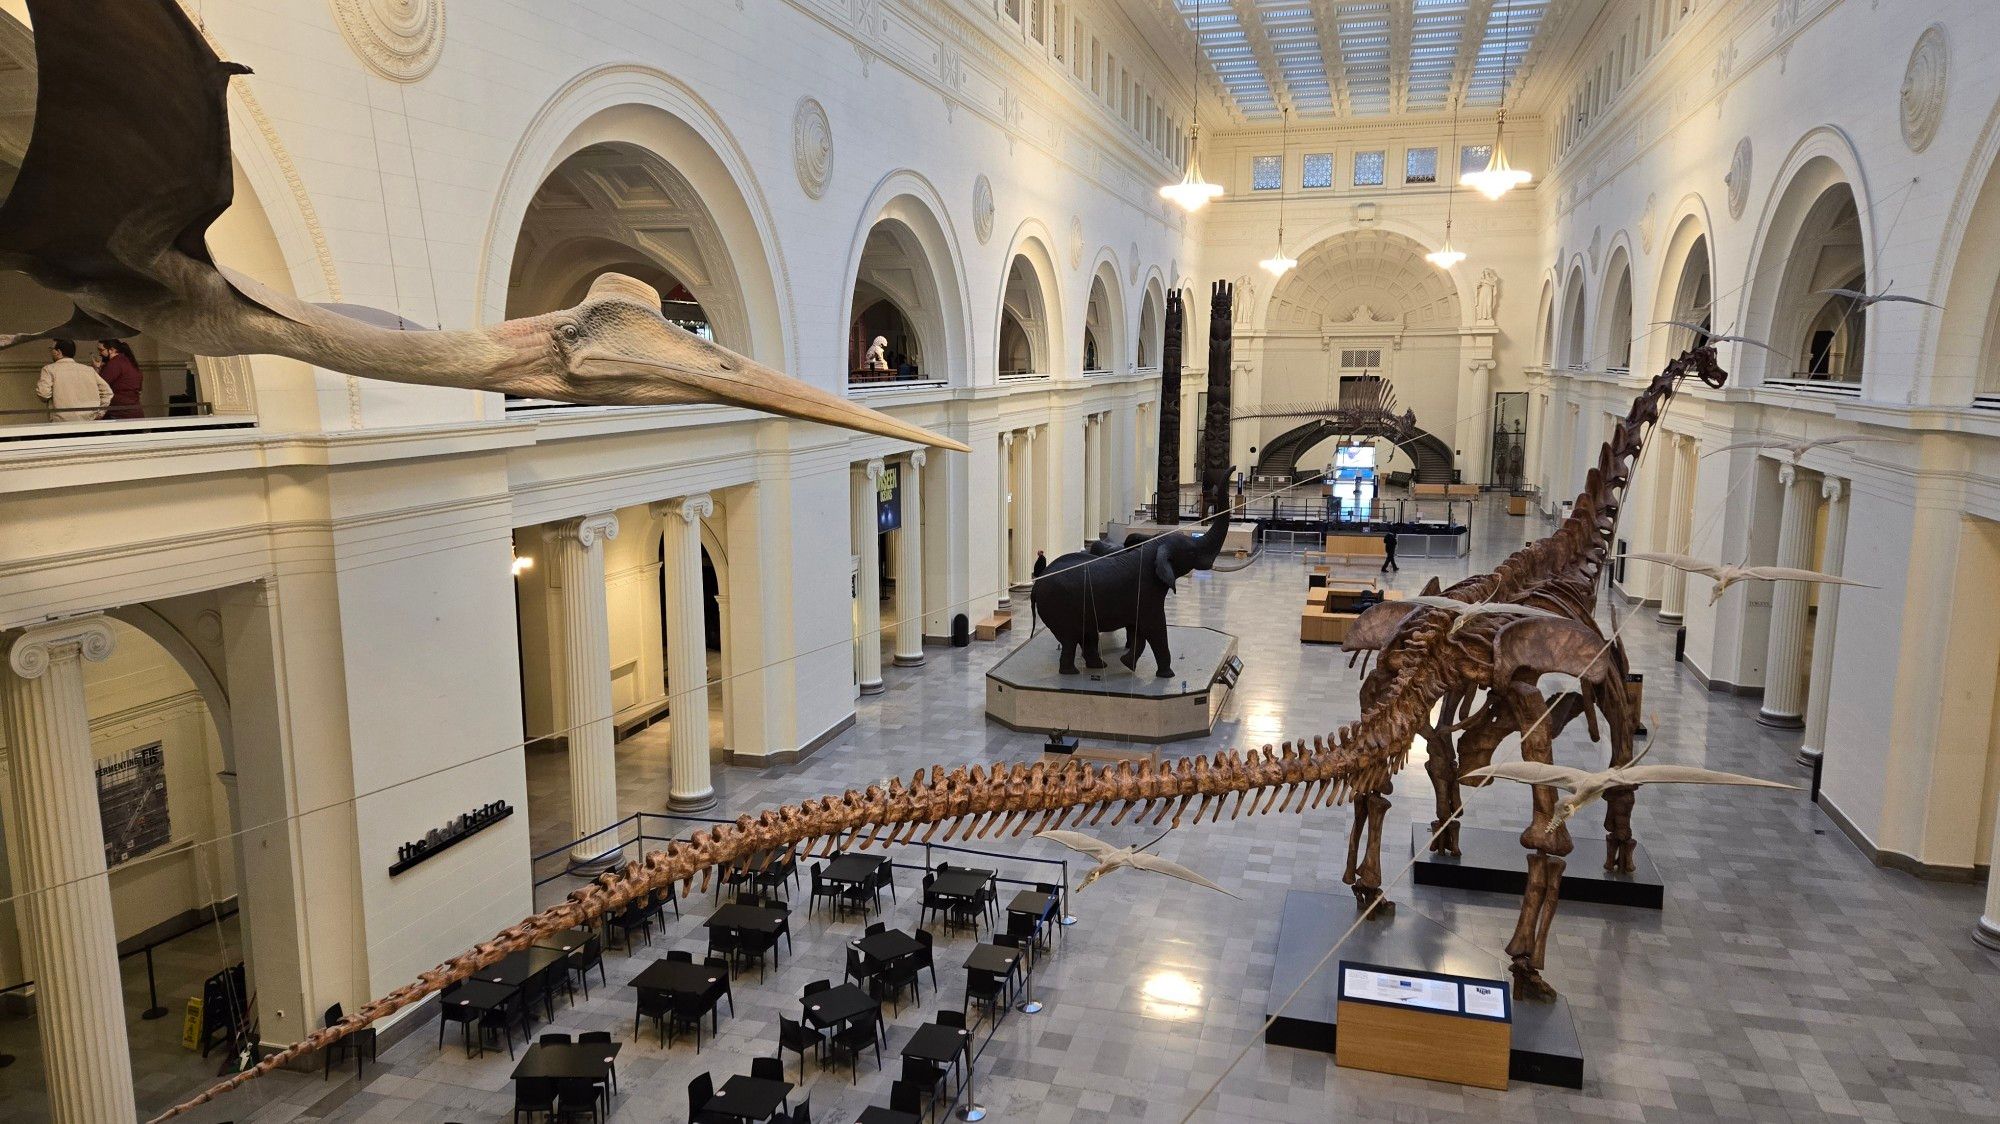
<point>617,349</point>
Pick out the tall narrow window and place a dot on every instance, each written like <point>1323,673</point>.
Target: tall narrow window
<point>1368,169</point>
<point>1267,173</point>
<point>1319,170</point>
<point>1420,165</point>
<point>1036,24</point>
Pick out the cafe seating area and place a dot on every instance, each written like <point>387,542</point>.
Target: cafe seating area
<point>756,1009</point>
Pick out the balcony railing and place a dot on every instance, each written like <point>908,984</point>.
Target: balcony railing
<point>911,378</point>
<point>40,424</point>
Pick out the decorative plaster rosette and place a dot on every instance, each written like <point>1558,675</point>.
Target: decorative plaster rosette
<point>398,39</point>
<point>812,147</point>
<point>1738,179</point>
<point>1076,241</point>
<point>1923,88</point>
<point>1648,220</point>
<point>982,208</point>
<point>1132,271</point>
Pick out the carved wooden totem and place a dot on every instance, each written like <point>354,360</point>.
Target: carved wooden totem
<point>1167,495</point>
<point>1215,427</point>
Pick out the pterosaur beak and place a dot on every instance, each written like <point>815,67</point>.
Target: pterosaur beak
<point>629,348</point>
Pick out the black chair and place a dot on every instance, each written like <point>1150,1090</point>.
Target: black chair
<point>536,992</point>
<point>904,1098</point>
<point>767,1069</point>
<point>954,1019</point>
<point>581,960</point>
<point>932,902</point>
<point>685,1012</point>
<point>852,1040</point>
<point>535,1096</point>
<point>600,1038</point>
<point>926,957</point>
<point>885,879</point>
<point>804,1113</point>
<point>361,1043</point>
<point>898,975</point>
<point>504,1019</point>
<point>653,1004</point>
<point>817,986</point>
<point>875,927</point>
<point>862,895</point>
<point>784,928</point>
<point>701,1091</point>
<point>680,956</point>
<point>795,1036</point>
<point>985,989</point>
<point>729,993</point>
<point>925,1076</point>
<point>579,1097</point>
<point>819,889</point>
<point>725,943</point>
<point>860,969</point>
<point>733,877</point>
<point>632,919</point>
<point>756,942</point>
<point>554,1038</point>
<point>783,870</point>
<point>450,1012</point>
<point>1029,929</point>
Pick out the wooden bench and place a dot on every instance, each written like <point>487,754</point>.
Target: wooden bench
<point>1344,550</point>
<point>990,628</point>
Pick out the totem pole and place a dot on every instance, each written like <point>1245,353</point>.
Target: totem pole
<point>1215,427</point>
<point>1167,496</point>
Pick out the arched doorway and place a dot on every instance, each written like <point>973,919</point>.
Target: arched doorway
<point>1152,329</point>
<point>1026,321</point>
<point>1812,240</point>
<point>1103,322</point>
<point>1575,347</point>
<point>1614,349</point>
<point>907,289</point>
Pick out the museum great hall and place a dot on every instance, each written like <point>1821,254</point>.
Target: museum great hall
<point>526,528</point>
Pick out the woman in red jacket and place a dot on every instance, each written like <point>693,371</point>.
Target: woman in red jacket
<point>117,367</point>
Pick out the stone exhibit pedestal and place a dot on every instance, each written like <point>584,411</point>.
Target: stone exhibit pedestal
<point>1024,691</point>
<point>1493,859</point>
<point>1545,1048</point>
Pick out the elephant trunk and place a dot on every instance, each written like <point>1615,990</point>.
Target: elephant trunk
<point>1209,546</point>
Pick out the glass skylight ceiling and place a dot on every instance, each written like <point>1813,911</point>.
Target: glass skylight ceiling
<point>1390,56</point>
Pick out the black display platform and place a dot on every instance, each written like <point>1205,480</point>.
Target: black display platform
<point>1493,859</point>
<point>1546,1050</point>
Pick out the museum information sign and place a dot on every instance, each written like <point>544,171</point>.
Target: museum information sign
<point>1424,1024</point>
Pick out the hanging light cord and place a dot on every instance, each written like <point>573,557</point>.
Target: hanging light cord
<point>1284,153</point>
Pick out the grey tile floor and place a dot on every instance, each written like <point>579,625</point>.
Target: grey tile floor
<point>1786,980</point>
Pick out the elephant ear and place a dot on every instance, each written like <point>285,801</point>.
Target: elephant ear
<point>1163,568</point>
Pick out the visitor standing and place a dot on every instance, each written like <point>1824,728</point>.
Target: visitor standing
<point>1041,564</point>
<point>1389,551</point>
<point>73,391</point>
<point>117,366</point>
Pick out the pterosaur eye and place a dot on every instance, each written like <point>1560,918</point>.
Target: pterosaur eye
<point>569,333</point>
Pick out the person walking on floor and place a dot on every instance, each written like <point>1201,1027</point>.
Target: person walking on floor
<point>116,366</point>
<point>1389,552</point>
<point>73,391</point>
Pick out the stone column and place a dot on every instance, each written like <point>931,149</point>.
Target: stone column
<point>1832,491</point>
<point>577,547</point>
<point>1093,468</point>
<point>689,787</point>
<point>1987,932</point>
<point>1477,437</point>
<point>1024,508</point>
<point>1004,475</point>
<point>868,582</point>
<point>910,566</point>
<point>1784,679</point>
<point>65,903</point>
<point>1680,525</point>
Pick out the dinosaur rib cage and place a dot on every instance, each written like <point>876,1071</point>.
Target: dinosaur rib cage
<point>1360,757</point>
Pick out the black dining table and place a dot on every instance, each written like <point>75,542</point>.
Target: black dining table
<point>888,945</point>
<point>936,1042</point>
<point>569,940</point>
<point>1033,903</point>
<point>960,882</point>
<point>852,870</point>
<point>678,977</point>
<point>568,1061</point>
<point>517,968</point>
<point>837,1005</point>
<point>749,1098</point>
<point>997,959</point>
<point>876,1114</point>
<point>480,995</point>
<point>757,918</point>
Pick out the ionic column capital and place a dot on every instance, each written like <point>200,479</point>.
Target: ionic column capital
<point>1007,440</point>
<point>918,457</point>
<point>1028,435</point>
<point>874,469</point>
<point>35,648</point>
<point>692,508</point>
<point>1832,488</point>
<point>1788,474</point>
<point>588,530</point>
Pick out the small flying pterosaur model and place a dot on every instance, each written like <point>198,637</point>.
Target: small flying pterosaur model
<point>1111,858</point>
<point>1797,449</point>
<point>1585,787</point>
<point>126,241</point>
<point>1705,337</point>
<point>1467,611</point>
<point>1726,575</point>
<point>1861,299</point>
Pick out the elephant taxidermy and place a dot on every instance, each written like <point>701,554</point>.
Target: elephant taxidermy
<point>1103,589</point>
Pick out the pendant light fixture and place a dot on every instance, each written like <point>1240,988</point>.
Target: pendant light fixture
<point>1444,257</point>
<point>1500,177</point>
<point>1278,264</point>
<point>1193,192</point>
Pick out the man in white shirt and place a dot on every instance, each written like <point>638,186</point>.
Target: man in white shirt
<point>73,391</point>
